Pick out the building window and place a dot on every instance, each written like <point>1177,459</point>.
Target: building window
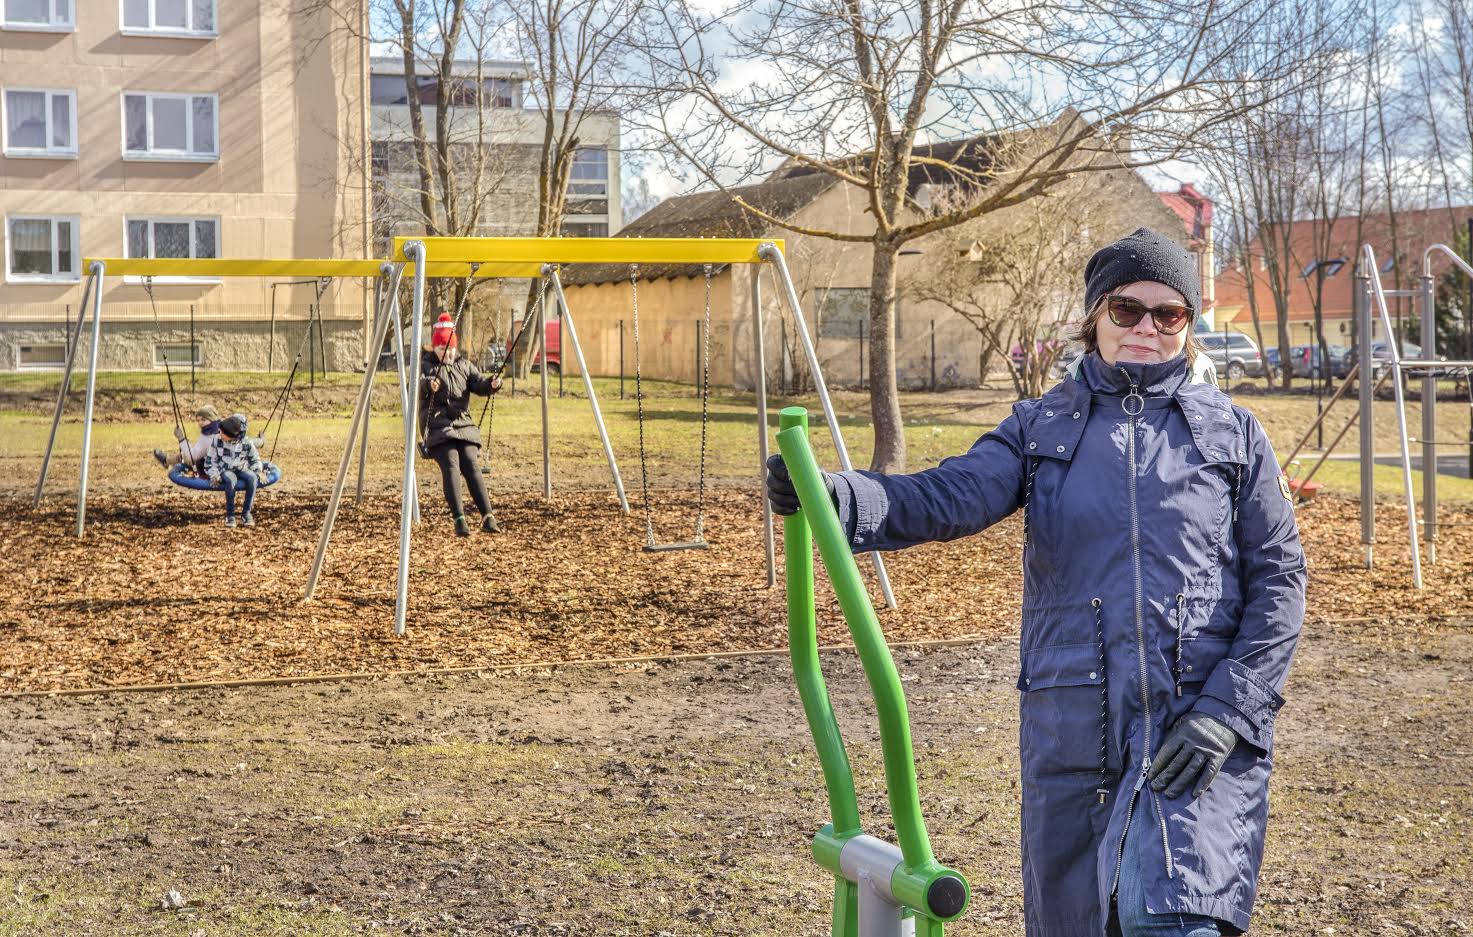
<point>585,229</point>
<point>40,356</point>
<point>393,91</point>
<point>590,175</point>
<point>843,312</point>
<point>41,248</point>
<point>177,353</point>
<point>170,126</point>
<point>184,238</point>
<point>41,15</point>
<point>169,17</point>
<point>40,123</point>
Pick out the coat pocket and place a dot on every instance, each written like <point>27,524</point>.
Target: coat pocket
<point>1063,710</point>
<point>1199,656</point>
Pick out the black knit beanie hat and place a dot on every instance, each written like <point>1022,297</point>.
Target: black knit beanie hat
<point>233,426</point>
<point>1143,255</point>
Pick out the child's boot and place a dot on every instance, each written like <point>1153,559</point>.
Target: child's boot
<point>462,529</point>
<point>489,525</point>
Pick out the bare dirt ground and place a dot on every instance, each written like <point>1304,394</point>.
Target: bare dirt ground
<point>665,799</point>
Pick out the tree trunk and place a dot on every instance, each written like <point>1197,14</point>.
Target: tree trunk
<point>884,398</point>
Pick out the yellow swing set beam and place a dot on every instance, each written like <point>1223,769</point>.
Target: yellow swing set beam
<point>212,268</point>
<point>589,250</point>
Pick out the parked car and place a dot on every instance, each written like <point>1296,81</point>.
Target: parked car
<point>1234,354</point>
<point>1381,357</point>
<point>1305,360</point>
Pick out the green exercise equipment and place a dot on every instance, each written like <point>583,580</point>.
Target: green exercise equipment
<point>880,890</point>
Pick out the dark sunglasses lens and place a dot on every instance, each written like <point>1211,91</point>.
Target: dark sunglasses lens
<point>1169,319</point>
<point>1125,312</point>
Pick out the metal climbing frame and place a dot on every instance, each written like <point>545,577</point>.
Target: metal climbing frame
<point>694,251</point>
<point>879,890</point>
<point>1368,290</point>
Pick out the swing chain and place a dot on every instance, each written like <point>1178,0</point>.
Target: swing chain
<point>705,412</point>
<point>644,475</point>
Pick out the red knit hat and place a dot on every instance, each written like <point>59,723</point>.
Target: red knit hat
<point>444,331</point>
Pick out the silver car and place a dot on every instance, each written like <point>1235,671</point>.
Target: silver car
<point>1234,354</point>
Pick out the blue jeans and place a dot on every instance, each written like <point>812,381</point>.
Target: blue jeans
<point>231,481</point>
<point>1142,845</point>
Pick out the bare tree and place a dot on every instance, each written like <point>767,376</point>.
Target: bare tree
<point>854,88</point>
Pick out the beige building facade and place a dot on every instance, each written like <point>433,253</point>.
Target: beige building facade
<point>179,128</point>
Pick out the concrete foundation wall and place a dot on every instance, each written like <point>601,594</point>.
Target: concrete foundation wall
<point>224,346</point>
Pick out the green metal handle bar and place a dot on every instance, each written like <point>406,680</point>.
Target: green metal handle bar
<point>920,883</point>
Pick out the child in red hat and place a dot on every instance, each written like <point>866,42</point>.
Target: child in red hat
<point>450,435</point>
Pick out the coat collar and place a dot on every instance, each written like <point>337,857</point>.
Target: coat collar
<point>1060,415</point>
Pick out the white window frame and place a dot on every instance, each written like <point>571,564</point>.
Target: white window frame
<point>31,152</point>
<point>133,280</point>
<point>69,25</point>
<point>25,366</point>
<point>169,156</point>
<point>74,277</point>
<point>171,32</point>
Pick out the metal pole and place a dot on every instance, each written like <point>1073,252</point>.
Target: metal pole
<point>401,363</point>
<point>861,354</point>
<point>1429,420</point>
<point>782,356</point>
<point>99,271</point>
<point>415,251</point>
<point>598,417</point>
<point>360,416</point>
<point>560,361</point>
<point>759,352</point>
<point>67,317</point>
<point>61,392</point>
<point>271,343</point>
<point>933,356</point>
<point>192,353</point>
<point>1361,306</point>
<point>311,350</point>
<point>383,307</point>
<point>772,255</point>
<point>1401,423</point>
<point>542,372</point>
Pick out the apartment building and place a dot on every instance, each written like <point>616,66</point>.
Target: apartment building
<point>179,128</point>
<point>495,133</point>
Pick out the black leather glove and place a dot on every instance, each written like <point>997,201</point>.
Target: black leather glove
<point>1193,753</point>
<point>780,490</point>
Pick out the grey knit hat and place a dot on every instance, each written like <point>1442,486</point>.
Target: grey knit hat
<point>1143,255</point>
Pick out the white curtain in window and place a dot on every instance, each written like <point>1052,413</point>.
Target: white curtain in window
<point>171,239</point>
<point>135,113</point>
<point>63,11</point>
<point>27,11</point>
<point>204,125</point>
<point>30,245</point>
<point>25,119</point>
<point>61,121</point>
<point>137,239</point>
<point>204,239</point>
<point>169,128</point>
<point>204,15</point>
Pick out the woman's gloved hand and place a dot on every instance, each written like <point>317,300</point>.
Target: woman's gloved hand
<point>1193,753</point>
<point>780,490</point>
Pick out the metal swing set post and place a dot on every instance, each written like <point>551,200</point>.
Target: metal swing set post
<point>1369,291</point>
<point>880,889</point>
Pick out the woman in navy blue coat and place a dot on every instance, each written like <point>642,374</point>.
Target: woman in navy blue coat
<point>1162,600</point>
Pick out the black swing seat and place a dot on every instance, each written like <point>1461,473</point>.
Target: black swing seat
<point>672,547</point>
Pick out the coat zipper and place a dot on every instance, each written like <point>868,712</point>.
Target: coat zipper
<point>1176,670</point>
<point>1140,636</point>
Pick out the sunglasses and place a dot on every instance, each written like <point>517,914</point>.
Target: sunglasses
<point>1127,313</point>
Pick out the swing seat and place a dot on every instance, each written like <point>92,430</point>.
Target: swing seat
<point>673,547</point>
<point>1305,491</point>
<point>184,478</point>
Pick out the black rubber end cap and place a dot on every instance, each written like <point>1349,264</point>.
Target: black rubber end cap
<point>947,896</point>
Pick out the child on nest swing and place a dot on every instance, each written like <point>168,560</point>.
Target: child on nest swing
<point>233,463</point>
<point>191,457</point>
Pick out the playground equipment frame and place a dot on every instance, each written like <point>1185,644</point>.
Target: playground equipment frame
<point>1368,290</point>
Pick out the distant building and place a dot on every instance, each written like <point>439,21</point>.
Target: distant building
<point>496,145</point>
<point>1195,211</point>
<point>1335,268</point>
<point>832,279</point>
<point>150,128</point>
